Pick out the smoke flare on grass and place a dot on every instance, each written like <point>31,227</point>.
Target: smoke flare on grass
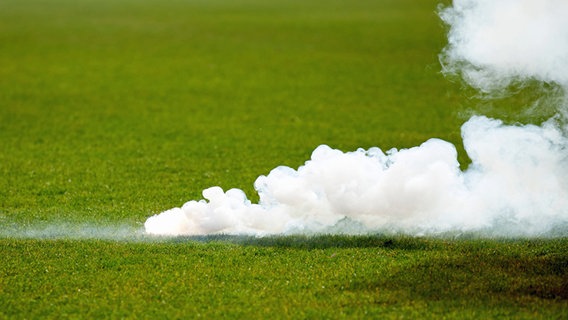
<point>517,183</point>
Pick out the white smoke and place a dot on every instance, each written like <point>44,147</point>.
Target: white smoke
<point>494,43</point>
<point>517,184</point>
<point>517,180</point>
<point>71,230</point>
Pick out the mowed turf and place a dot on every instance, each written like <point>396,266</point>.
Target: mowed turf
<point>111,111</point>
<point>293,277</point>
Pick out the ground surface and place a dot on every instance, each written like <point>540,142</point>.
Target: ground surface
<point>111,111</point>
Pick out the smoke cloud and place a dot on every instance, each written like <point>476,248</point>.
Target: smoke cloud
<point>516,185</point>
<point>495,43</point>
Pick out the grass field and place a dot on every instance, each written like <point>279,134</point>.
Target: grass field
<point>324,277</point>
<point>111,111</point>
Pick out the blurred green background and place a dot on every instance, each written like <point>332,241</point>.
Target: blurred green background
<point>116,110</point>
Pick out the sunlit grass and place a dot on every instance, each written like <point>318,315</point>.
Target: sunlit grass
<point>285,277</point>
<point>122,109</point>
<point>111,111</point>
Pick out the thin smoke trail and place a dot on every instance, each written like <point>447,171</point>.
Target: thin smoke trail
<point>72,230</point>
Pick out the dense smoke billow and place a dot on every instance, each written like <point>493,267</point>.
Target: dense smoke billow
<point>495,43</point>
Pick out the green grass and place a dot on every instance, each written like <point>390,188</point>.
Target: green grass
<point>121,109</point>
<point>111,111</point>
<point>322,277</point>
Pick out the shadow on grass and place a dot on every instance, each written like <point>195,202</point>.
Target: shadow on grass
<point>310,242</point>
<point>479,275</point>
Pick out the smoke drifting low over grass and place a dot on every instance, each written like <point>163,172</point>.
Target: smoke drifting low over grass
<point>515,186</point>
<point>72,230</point>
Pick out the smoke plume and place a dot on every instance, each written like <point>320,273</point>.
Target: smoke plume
<point>516,185</point>
<point>495,43</point>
